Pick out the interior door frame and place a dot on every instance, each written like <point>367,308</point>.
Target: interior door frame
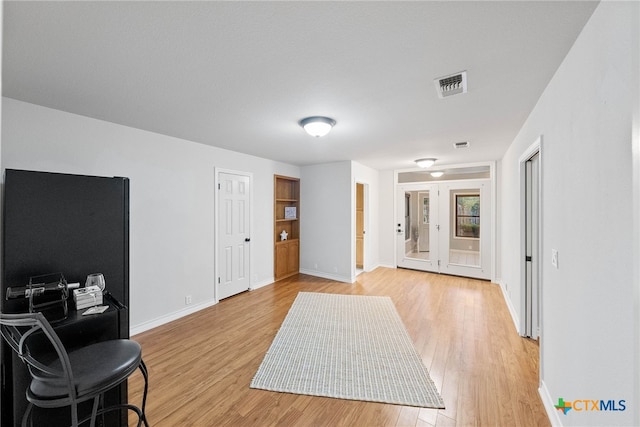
<point>216,234</point>
<point>529,153</point>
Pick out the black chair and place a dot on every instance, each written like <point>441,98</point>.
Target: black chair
<point>60,378</point>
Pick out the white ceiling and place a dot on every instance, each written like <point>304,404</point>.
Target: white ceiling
<point>240,75</point>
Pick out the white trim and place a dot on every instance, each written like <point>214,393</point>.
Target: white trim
<point>549,406</point>
<point>378,265</point>
<point>635,191</point>
<point>531,150</point>
<point>384,266</point>
<point>216,224</point>
<point>491,165</point>
<point>263,283</point>
<point>510,307</point>
<point>159,321</point>
<point>329,276</point>
<point>493,171</point>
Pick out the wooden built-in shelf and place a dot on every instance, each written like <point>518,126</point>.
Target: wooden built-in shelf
<point>287,252</point>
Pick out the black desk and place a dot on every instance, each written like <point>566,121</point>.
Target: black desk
<point>74,331</point>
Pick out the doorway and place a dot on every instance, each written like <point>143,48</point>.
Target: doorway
<point>233,233</point>
<point>445,227</point>
<point>360,229</point>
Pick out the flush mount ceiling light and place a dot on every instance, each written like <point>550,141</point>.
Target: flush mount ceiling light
<point>425,163</point>
<point>317,125</point>
<point>437,174</point>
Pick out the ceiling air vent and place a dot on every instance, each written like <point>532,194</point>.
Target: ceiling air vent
<point>464,144</point>
<point>451,85</point>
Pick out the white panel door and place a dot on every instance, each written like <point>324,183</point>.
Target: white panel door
<point>233,234</point>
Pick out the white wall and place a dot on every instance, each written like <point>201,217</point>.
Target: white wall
<point>325,227</point>
<point>327,221</point>
<point>588,344</point>
<point>172,199</point>
<point>636,211</point>
<point>387,229</point>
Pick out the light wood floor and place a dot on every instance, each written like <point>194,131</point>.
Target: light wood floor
<point>200,366</point>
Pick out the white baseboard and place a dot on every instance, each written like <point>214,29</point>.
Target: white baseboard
<point>262,284</point>
<point>512,309</point>
<point>329,276</point>
<point>549,406</point>
<point>138,329</point>
<point>170,317</point>
<point>186,311</point>
<point>387,265</point>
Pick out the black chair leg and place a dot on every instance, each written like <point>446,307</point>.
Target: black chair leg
<point>94,411</point>
<point>145,374</point>
<point>27,415</point>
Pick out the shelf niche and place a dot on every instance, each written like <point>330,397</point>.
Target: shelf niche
<point>286,218</point>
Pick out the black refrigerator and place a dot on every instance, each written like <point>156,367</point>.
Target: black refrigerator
<point>70,224</point>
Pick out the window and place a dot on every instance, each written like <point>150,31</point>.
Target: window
<point>468,215</point>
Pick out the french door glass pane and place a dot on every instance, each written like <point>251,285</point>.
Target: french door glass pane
<point>417,225</point>
<point>468,215</point>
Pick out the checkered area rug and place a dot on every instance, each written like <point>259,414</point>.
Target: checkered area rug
<point>347,347</point>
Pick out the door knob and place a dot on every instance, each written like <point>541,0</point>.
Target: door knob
<point>248,239</point>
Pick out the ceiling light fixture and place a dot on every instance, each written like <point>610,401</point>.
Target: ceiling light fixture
<point>317,125</point>
<point>425,163</point>
<point>437,174</point>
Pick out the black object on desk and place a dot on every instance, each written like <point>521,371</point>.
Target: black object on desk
<point>74,224</point>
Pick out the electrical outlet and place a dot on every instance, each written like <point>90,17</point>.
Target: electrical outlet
<point>554,257</point>
<point>187,300</point>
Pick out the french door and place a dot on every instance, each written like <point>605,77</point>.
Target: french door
<point>417,227</point>
<point>445,228</point>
